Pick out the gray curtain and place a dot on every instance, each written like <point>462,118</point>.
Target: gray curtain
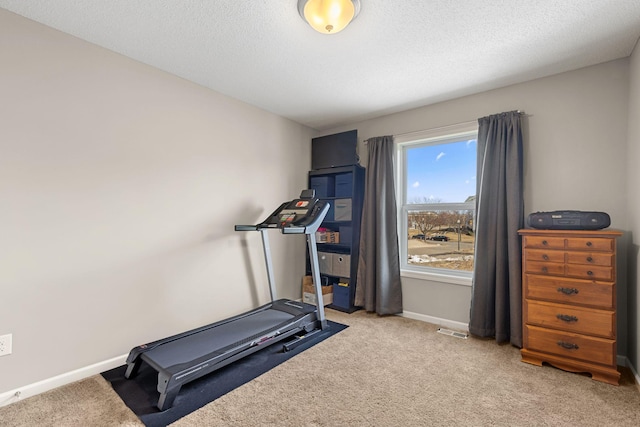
<point>378,287</point>
<point>496,302</point>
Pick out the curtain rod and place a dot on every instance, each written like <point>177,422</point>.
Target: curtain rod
<point>416,132</point>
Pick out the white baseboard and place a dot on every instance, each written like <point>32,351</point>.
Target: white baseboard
<point>452,324</point>
<point>624,361</point>
<point>635,375</point>
<point>60,380</point>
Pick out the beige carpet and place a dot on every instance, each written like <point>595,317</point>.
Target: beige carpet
<point>381,371</point>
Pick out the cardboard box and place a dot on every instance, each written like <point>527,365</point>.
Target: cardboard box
<point>327,237</point>
<point>309,292</point>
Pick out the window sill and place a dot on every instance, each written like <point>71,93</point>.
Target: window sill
<point>454,279</point>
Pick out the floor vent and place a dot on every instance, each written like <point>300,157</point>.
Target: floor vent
<point>452,333</point>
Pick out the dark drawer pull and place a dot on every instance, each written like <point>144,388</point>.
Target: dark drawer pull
<point>545,270</point>
<point>544,242</point>
<point>589,259</point>
<point>589,273</point>
<point>589,244</point>
<point>568,345</point>
<point>568,291</point>
<point>567,318</point>
<point>545,257</point>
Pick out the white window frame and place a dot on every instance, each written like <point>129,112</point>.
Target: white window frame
<point>403,142</point>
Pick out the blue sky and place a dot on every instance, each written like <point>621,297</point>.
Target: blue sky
<point>443,172</point>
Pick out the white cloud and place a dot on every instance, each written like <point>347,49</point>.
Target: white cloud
<point>471,141</point>
<point>416,184</point>
<point>441,155</point>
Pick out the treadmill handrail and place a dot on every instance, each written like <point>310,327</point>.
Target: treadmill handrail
<point>246,227</point>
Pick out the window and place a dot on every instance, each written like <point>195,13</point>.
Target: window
<point>436,179</point>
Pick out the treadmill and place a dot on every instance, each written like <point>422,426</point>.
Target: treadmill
<point>190,355</point>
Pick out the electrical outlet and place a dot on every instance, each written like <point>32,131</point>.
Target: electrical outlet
<point>5,344</point>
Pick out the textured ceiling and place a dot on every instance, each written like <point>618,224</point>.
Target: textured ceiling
<point>396,55</point>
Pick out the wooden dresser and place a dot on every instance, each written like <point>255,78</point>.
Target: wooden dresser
<point>569,300</point>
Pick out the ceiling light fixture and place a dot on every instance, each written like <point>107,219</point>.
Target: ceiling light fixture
<point>328,16</point>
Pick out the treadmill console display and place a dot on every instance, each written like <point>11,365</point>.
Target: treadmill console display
<point>295,210</point>
<point>296,213</point>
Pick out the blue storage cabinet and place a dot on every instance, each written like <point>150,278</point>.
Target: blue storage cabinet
<point>344,184</point>
<point>324,185</point>
<point>343,188</point>
<point>330,212</point>
<point>345,233</point>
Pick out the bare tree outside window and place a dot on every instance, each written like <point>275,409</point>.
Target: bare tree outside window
<point>441,239</point>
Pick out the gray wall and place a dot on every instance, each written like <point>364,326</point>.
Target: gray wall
<point>120,186</point>
<point>575,158</point>
<point>633,200</point>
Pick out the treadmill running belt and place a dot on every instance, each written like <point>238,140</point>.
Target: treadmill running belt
<point>202,343</point>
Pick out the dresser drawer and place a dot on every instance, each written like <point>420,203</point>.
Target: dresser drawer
<point>590,258</point>
<point>590,272</point>
<point>572,345</point>
<point>568,291</point>
<point>540,267</point>
<point>543,242</point>
<point>544,255</point>
<point>569,318</point>
<point>591,244</point>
